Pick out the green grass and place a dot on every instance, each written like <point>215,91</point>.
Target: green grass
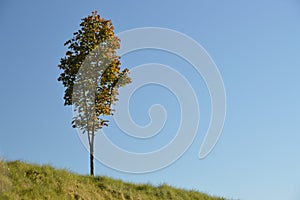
<point>19,180</point>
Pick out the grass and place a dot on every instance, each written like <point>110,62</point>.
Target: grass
<point>19,180</point>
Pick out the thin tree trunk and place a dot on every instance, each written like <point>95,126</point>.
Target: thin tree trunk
<point>92,137</point>
<point>92,159</point>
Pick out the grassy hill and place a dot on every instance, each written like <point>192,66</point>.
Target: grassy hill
<point>19,180</point>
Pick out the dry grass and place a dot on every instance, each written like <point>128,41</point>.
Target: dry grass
<point>19,180</point>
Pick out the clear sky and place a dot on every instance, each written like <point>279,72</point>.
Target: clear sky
<point>256,46</point>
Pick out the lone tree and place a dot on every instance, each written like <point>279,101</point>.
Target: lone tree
<point>92,76</point>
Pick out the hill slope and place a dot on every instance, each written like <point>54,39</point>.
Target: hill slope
<point>19,180</point>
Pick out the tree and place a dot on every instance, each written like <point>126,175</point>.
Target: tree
<point>92,76</point>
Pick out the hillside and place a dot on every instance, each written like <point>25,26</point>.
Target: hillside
<point>24,181</point>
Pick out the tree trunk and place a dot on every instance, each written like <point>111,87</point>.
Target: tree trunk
<point>92,159</point>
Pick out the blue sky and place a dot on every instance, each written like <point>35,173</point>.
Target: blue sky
<point>256,46</point>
